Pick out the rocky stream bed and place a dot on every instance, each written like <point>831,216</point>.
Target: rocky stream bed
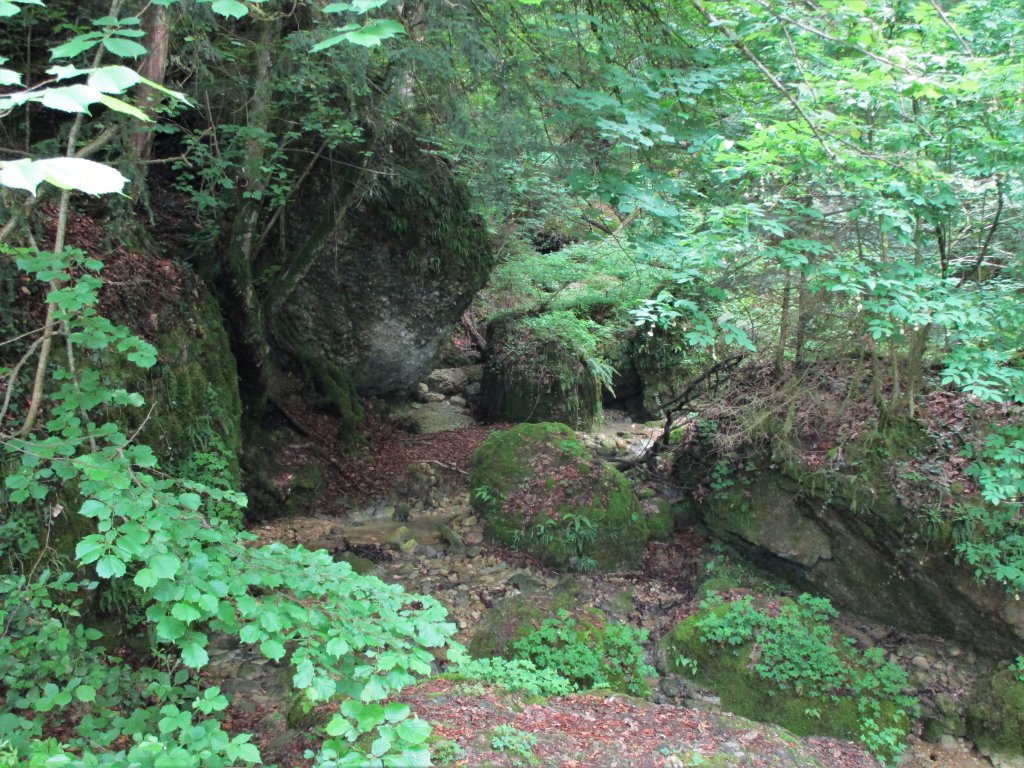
<point>423,534</point>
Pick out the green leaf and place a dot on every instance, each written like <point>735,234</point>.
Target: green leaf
<point>186,612</point>
<point>396,711</point>
<point>272,649</point>
<point>110,567</point>
<point>303,674</point>
<point>114,79</point>
<point>169,628</point>
<point>339,726</point>
<point>122,46</point>
<point>370,717</point>
<point>375,32</point>
<point>194,655</point>
<point>124,107</point>
<point>145,578</point>
<point>414,731</point>
<point>230,8</point>
<point>85,693</point>
<point>63,172</point>
<point>165,566</point>
<point>76,45</point>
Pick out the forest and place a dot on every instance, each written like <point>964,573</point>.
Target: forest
<point>576,383</point>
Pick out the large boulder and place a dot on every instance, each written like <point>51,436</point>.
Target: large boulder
<point>995,715</point>
<point>539,369</point>
<point>385,262</point>
<point>846,534</point>
<point>540,490</point>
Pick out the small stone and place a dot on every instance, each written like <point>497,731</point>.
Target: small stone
<point>920,662</point>
<point>474,538</point>
<point>949,742</point>
<point>422,388</point>
<point>458,401</point>
<point>433,397</point>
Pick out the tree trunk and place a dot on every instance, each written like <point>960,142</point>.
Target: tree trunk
<point>780,350</point>
<point>153,67</point>
<point>246,316</point>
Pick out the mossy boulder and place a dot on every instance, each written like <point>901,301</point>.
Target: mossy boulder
<point>559,629</point>
<point>540,490</point>
<point>383,261</point>
<point>538,373</point>
<point>661,522</point>
<point>735,669</point>
<point>995,715</point>
<point>843,531</point>
<point>761,512</point>
<point>515,616</point>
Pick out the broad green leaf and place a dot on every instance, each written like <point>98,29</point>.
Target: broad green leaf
<point>272,649</point>
<point>76,46</point>
<point>165,566</point>
<point>230,8</point>
<point>69,98</point>
<point>303,674</point>
<point>120,46</point>
<point>9,77</point>
<point>124,107</point>
<point>85,693</point>
<point>145,578</point>
<point>115,79</point>
<point>109,567</point>
<point>63,172</point>
<point>414,731</point>
<point>194,655</point>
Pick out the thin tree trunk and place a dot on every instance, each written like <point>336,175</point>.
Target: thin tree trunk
<point>780,350</point>
<point>153,67</point>
<point>246,316</point>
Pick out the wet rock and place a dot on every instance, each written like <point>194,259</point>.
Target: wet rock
<point>448,381</point>
<point>451,537</point>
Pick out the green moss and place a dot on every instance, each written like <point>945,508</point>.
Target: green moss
<point>732,670</point>
<point>304,488</point>
<point>995,714</point>
<point>662,524</point>
<point>514,617</point>
<point>539,371</point>
<point>540,490</point>
<point>192,393</point>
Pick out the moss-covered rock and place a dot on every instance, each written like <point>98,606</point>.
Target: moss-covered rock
<point>381,263</point>
<point>540,490</point>
<point>819,697</point>
<point>842,530</point>
<point>537,373</point>
<point>762,513</point>
<point>662,522</point>
<point>515,616</point>
<point>995,715</point>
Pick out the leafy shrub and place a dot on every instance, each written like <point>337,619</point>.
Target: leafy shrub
<point>792,646</point>
<point>516,743</point>
<point>517,675</point>
<point>598,654</point>
<point>347,636</point>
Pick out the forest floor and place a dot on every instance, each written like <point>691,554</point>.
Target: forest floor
<point>403,489</point>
